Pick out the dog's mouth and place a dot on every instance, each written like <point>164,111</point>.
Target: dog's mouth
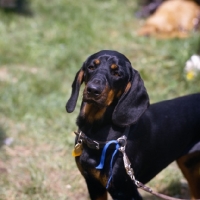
<point>98,102</point>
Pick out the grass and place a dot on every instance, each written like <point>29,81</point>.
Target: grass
<point>39,56</point>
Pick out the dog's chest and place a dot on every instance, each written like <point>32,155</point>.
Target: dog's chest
<point>101,177</point>
<point>87,165</point>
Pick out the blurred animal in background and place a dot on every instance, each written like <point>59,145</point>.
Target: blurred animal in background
<point>18,6</point>
<point>148,7</point>
<point>172,18</point>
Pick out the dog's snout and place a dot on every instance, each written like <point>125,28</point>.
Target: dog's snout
<point>94,88</point>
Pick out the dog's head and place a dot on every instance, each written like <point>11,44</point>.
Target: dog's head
<point>109,77</point>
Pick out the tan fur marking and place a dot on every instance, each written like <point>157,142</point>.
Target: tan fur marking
<point>86,108</point>
<point>100,113</point>
<point>97,62</point>
<point>119,94</point>
<point>80,76</point>
<point>92,113</point>
<point>114,66</point>
<point>128,87</point>
<point>102,178</point>
<point>191,174</point>
<point>110,97</point>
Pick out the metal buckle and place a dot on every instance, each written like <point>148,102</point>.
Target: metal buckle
<point>97,144</point>
<point>122,141</point>
<point>79,137</point>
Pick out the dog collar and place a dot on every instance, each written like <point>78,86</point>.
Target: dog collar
<point>120,145</point>
<point>95,144</point>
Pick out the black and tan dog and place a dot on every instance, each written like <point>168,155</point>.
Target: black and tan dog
<point>115,98</point>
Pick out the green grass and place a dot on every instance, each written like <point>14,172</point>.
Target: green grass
<point>39,56</point>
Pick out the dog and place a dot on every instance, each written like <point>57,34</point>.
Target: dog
<point>148,7</point>
<point>173,18</point>
<point>115,103</point>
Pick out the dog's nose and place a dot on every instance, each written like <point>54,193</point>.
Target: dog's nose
<point>94,88</point>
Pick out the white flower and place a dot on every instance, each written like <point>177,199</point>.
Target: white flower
<point>192,67</point>
<point>196,61</point>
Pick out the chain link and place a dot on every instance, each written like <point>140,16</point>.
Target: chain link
<point>127,163</point>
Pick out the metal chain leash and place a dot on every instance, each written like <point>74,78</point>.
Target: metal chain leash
<point>127,164</point>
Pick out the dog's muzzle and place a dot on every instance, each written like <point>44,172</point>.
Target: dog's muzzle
<point>95,88</point>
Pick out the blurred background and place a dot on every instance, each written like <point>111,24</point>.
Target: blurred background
<point>42,46</point>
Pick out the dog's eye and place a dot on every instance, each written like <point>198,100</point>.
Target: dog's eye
<point>91,67</point>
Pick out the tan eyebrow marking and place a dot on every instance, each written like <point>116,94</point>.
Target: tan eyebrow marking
<point>114,66</point>
<point>97,62</point>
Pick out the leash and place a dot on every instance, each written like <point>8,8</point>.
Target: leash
<point>127,165</point>
<point>129,171</point>
<point>120,145</point>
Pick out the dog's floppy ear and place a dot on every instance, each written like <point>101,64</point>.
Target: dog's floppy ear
<point>133,102</point>
<point>71,104</point>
